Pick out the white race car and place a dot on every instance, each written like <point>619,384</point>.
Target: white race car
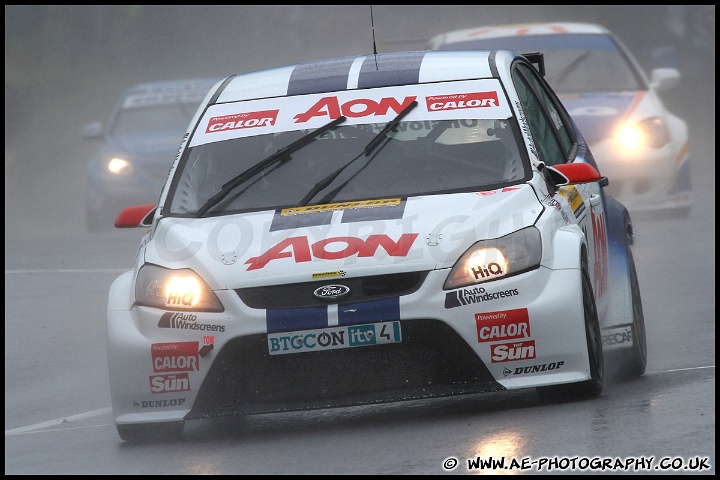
<point>372,229</point>
<point>639,145</point>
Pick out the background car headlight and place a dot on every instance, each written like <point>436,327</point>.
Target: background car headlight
<point>120,166</point>
<point>174,289</point>
<point>489,260</point>
<point>649,133</point>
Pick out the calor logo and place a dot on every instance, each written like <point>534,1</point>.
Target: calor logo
<point>504,325</point>
<point>175,357</point>
<point>462,101</point>
<point>238,121</point>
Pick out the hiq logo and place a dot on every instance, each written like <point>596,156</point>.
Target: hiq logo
<point>492,268</point>
<point>174,299</point>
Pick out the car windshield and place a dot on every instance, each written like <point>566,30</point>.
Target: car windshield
<point>414,158</point>
<point>573,63</point>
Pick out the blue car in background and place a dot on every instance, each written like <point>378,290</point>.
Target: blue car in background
<point>637,142</point>
<point>139,144</point>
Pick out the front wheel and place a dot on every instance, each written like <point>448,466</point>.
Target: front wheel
<point>151,432</point>
<point>592,387</point>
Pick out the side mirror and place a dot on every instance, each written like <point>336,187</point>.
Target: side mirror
<point>136,216</point>
<point>568,173</point>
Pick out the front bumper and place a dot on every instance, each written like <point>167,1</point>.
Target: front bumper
<point>164,366</point>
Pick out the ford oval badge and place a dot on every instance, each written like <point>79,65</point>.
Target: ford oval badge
<point>331,292</point>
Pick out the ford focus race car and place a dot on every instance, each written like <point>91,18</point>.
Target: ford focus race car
<point>639,144</point>
<point>373,229</point>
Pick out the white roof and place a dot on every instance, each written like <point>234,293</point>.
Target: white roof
<point>348,73</point>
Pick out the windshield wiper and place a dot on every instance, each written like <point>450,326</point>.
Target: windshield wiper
<point>322,184</point>
<point>264,163</point>
<point>390,126</point>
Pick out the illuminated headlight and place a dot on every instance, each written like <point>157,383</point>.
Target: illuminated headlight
<point>650,133</point>
<point>120,166</point>
<point>174,289</point>
<point>489,260</point>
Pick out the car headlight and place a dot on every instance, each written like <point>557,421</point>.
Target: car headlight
<point>649,133</point>
<point>174,289</point>
<point>119,166</point>
<point>489,260</point>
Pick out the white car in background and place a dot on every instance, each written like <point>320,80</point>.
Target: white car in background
<point>638,144</point>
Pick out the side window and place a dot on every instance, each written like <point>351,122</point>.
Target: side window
<point>551,135</point>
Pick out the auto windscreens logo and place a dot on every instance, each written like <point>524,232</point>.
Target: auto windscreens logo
<point>469,296</point>
<point>187,321</point>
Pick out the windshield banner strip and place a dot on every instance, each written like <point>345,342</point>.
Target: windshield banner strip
<point>472,99</point>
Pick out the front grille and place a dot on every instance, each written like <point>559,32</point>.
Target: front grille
<point>432,360</point>
<point>361,288</point>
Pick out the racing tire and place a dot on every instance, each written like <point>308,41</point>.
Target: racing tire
<point>588,388</point>
<point>151,432</point>
<point>634,359</point>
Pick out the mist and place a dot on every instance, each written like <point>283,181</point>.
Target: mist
<point>66,66</point>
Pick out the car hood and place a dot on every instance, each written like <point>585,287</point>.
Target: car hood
<point>597,114</point>
<point>351,239</point>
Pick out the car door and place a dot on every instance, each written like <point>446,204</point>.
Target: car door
<point>556,142</point>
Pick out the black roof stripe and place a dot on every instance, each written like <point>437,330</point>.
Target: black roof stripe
<point>317,77</point>
<point>332,75</point>
<point>401,69</point>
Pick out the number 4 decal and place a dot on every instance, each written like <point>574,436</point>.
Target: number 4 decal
<point>383,333</point>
